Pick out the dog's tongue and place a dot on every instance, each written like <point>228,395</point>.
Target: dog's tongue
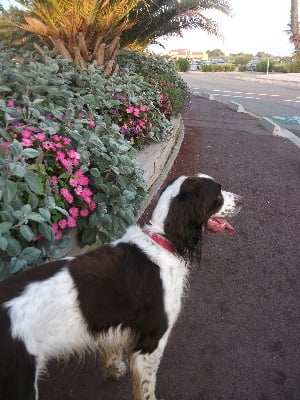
<point>219,225</point>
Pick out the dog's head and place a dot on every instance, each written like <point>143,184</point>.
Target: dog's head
<point>190,205</point>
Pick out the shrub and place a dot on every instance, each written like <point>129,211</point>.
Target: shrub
<point>161,74</point>
<point>182,64</point>
<point>262,66</point>
<point>58,133</point>
<point>217,67</point>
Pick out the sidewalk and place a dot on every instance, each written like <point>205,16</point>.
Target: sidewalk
<point>237,337</point>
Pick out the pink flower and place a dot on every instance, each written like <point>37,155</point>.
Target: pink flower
<point>58,235</point>
<point>73,211</point>
<point>92,205</point>
<point>83,180</point>
<point>136,112</point>
<point>78,190</point>
<point>67,195</point>
<point>84,213</point>
<point>143,108</point>
<point>40,136</point>
<point>56,138</point>
<point>71,222</point>
<point>79,172</point>
<point>73,182</point>
<point>54,180</point>
<point>130,109</point>
<point>92,124</point>
<point>10,103</point>
<point>66,140</point>
<point>73,154</point>
<point>86,194</point>
<point>62,223</point>
<point>26,142</point>
<point>25,133</point>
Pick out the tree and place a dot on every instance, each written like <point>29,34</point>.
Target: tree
<point>216,53</point>
<point>294,33</point>
<point>90,30</point>
<point>165,18</point>
<point>81,31</point>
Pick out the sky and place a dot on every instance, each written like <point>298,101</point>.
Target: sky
<point>256,26</point>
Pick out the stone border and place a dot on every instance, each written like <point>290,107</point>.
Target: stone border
<point>157,159</point>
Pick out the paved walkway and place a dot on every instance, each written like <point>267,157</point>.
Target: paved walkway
<point>237,337</point>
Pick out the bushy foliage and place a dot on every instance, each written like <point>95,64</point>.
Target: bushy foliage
<point>64,161</point>
<point>161,74</point>
<point>182,64</point>
<point>263,66</point>
<point>217,68</point>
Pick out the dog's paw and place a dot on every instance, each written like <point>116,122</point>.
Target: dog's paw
<point>115,369</point>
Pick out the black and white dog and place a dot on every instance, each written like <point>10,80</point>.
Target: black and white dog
<point>120,300</point>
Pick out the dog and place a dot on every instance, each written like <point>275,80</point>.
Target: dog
<point>120,301</point>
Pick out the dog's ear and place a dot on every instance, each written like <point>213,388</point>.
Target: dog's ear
<point>189,212</point>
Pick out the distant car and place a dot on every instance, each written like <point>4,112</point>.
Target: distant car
<point>218,61</point>
<point>195,65</point>
<point>251,66</point>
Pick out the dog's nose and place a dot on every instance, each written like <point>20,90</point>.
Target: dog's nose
<point>238,200</point>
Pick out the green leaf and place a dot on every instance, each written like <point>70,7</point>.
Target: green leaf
<point>35,217</point>
<point>3,243</point>
<point>64,242</point>
<point>33,200</point>
<point>13,247</point>
<point>95,172</point>
<point>30,153</point>
<point>17,264</point>
<point>45,213</point>
<point>33,182</point>
<point>17,169</point>
<point>27,233</point>
<point>16,148</point>
<point>31,254</point>
<point>46,231</point>
<point>5,227</point>
<point>6,216</point>
<point>9,191</point>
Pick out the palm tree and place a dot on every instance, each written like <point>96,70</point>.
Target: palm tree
<point>90,30</point>
<point>168,18</point>
<point>294,34</point>
<point>81,31</point>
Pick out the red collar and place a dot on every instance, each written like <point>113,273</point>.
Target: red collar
<point>162,241</point>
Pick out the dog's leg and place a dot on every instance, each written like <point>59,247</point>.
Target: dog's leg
<point>144,370</point>
<point>115,346</point>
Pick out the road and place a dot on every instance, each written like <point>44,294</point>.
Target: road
<point>278,100</point>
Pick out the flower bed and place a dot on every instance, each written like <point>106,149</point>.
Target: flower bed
<point>67,157</point>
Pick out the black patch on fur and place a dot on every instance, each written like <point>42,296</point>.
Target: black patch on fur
<point>17,366</point>
<point>120,285</point>
<point>198,199</point>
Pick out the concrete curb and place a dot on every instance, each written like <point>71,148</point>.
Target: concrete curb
<point>235,106</point>
<point>266,123</point>
<point>157,160</point>
<point>270,126</point>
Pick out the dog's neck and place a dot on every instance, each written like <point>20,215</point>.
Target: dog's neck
<point>161,241</point>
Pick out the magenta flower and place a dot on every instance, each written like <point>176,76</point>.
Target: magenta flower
<point>10,103</point>
<point>73,211</point>
<point>84,213</point>
<point>71,222</point>
<point>62,223</point>
<point>67,195</point>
